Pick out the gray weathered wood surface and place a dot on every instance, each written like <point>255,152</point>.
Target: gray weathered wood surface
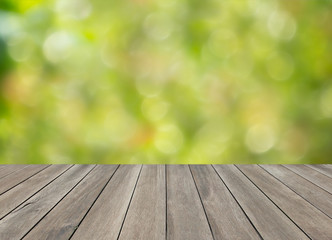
<point>225,216</point>
<point>306,189</point>
<point>148,206</point>
<point>104,220</point>
<point>185,214</point>
<point>165,202</point>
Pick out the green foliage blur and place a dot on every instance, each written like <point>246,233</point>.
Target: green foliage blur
<point>165,81</point>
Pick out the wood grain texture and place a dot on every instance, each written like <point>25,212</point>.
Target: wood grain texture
<point>146,218</point>
<point>19,176</point>
<point>62,221</point>
<point>323,168</point>
<point>312,221</point>
<point>14,197</point>
<point>225,216</point>
<point>312,193</point>
<point>105,218</point>
<point>84,202</point>
<point>21,220</point>
<point>316,177</point>
<point>8,169</point>
<point>185,214</point>
<point>270,222</point>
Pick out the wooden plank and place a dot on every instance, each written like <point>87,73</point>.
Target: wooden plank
<point>16,196</point>
<point>146,218</point>
<point>225,216</point>
<point>270,222</point>
<point>21,220</point>
<point>19,176</point>
<point>312,193</point>
<point>185,214</point>
<point>323,168</point>
<point>105,218</point>
<point>8,169</point>
<point>313,176</point>
<point>62,221</point>
<point>312,221</point>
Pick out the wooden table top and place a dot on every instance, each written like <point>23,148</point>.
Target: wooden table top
<point>165,202</point>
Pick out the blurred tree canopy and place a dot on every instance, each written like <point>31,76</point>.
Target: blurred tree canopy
<point>165,81</point>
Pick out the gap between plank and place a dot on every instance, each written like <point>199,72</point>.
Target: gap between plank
<point>306,179</point>
<point>35,193</point>
<point>131,198</point>
<point>199,195</point>
<point>273,202</point>
<point>12,172</point>
<point>93,203</point>
<point>24,179</point>
<point>238,203</point>
<point>59,201</point>
<point>294,191</point>
<point>315,169</point>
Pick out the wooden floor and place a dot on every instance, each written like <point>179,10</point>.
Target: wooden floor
<point>165,202</point>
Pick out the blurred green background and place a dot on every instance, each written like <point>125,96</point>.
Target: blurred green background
<point>165,81</point>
